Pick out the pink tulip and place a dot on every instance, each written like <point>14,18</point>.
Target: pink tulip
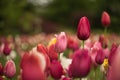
<point>112,53</point>
<point>83,30</point>
<point>34,65</point>
<point>105,19</point>
<point>61,42</point>
<point>93,52</point>
<point>81,63</point>
<point>56,69</point>
<point>9,69</point>
<point>114,68</point>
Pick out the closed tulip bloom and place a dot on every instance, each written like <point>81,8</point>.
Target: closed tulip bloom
<point>83,30</point>
<point>61,42</point>
<point>7,49</point>
<point>56,69</point>
<point>34,65</point>
<point>9,69</point>
<point>104,41</point>
<point>81,63</point>
<point>105,19</point>
<point>100,57</point>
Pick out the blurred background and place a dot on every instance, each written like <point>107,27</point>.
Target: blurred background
<point>35,16</point>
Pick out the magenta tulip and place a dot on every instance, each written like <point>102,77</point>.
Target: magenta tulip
<point>81,63</point>
<point>56,69</point>
<point>83,30</point>
<point>100,57</point>
<point>9,69</point>
<point>61,42</point>
<point>7,49</point>
<point>105,19</point>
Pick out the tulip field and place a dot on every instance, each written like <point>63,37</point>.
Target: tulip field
<point>83,55</point>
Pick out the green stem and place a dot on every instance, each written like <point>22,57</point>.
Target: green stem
<point>83,44</point>
<point>105,31</point>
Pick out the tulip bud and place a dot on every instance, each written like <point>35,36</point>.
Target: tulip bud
<point>6,49</point>
<point>100,57</point>
<point>81,63</point>
<point>105,19</point>
<point>61,42</point>
<point>9,69</point>
<point>83,30</point>
<point>56,69</point>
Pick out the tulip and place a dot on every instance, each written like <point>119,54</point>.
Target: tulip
<point>100,57</point>
<point>72,44</point>
<point>94,51</point>
<point>56,69</point>
<point>81,63</point>
<point>61,42</point>
<point>104,41</point>
<point>105,19</point>
<point>66,78</point>
<point>34,64</point>
<point>1,78</point>
<point>7,49</point>
<point>9,69</point>
<point>112,53</point>
<point>114,68</point>
<point>83,30</point>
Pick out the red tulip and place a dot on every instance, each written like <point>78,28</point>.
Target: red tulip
<point>34,65</point>
<point>61,42</point>
<point>52,53</point>
<point>83,30</point>
<point>7,49</point>
<point>9,69</point>
<point>56,69</point>
<point>72,44</point>
<point>81,63</point>
<point>105,19</point>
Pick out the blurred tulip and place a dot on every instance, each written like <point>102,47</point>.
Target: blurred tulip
<point>114,68</point>
<point>81,63</point>
<point>52,53</point>
<point>34,65</point>
<point>93,52</point>
<point>105,19</point>
<point>112,53</point>
<point>72,44</point>
<point>9,69</point>
<point>104,41</point>
<point>61,42</point>
<point>100,57</point>
<point>56,69</point>
<point>1,78</point>
<point>66,78</point>
<point>7,49</point>
<point>83,30</point>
